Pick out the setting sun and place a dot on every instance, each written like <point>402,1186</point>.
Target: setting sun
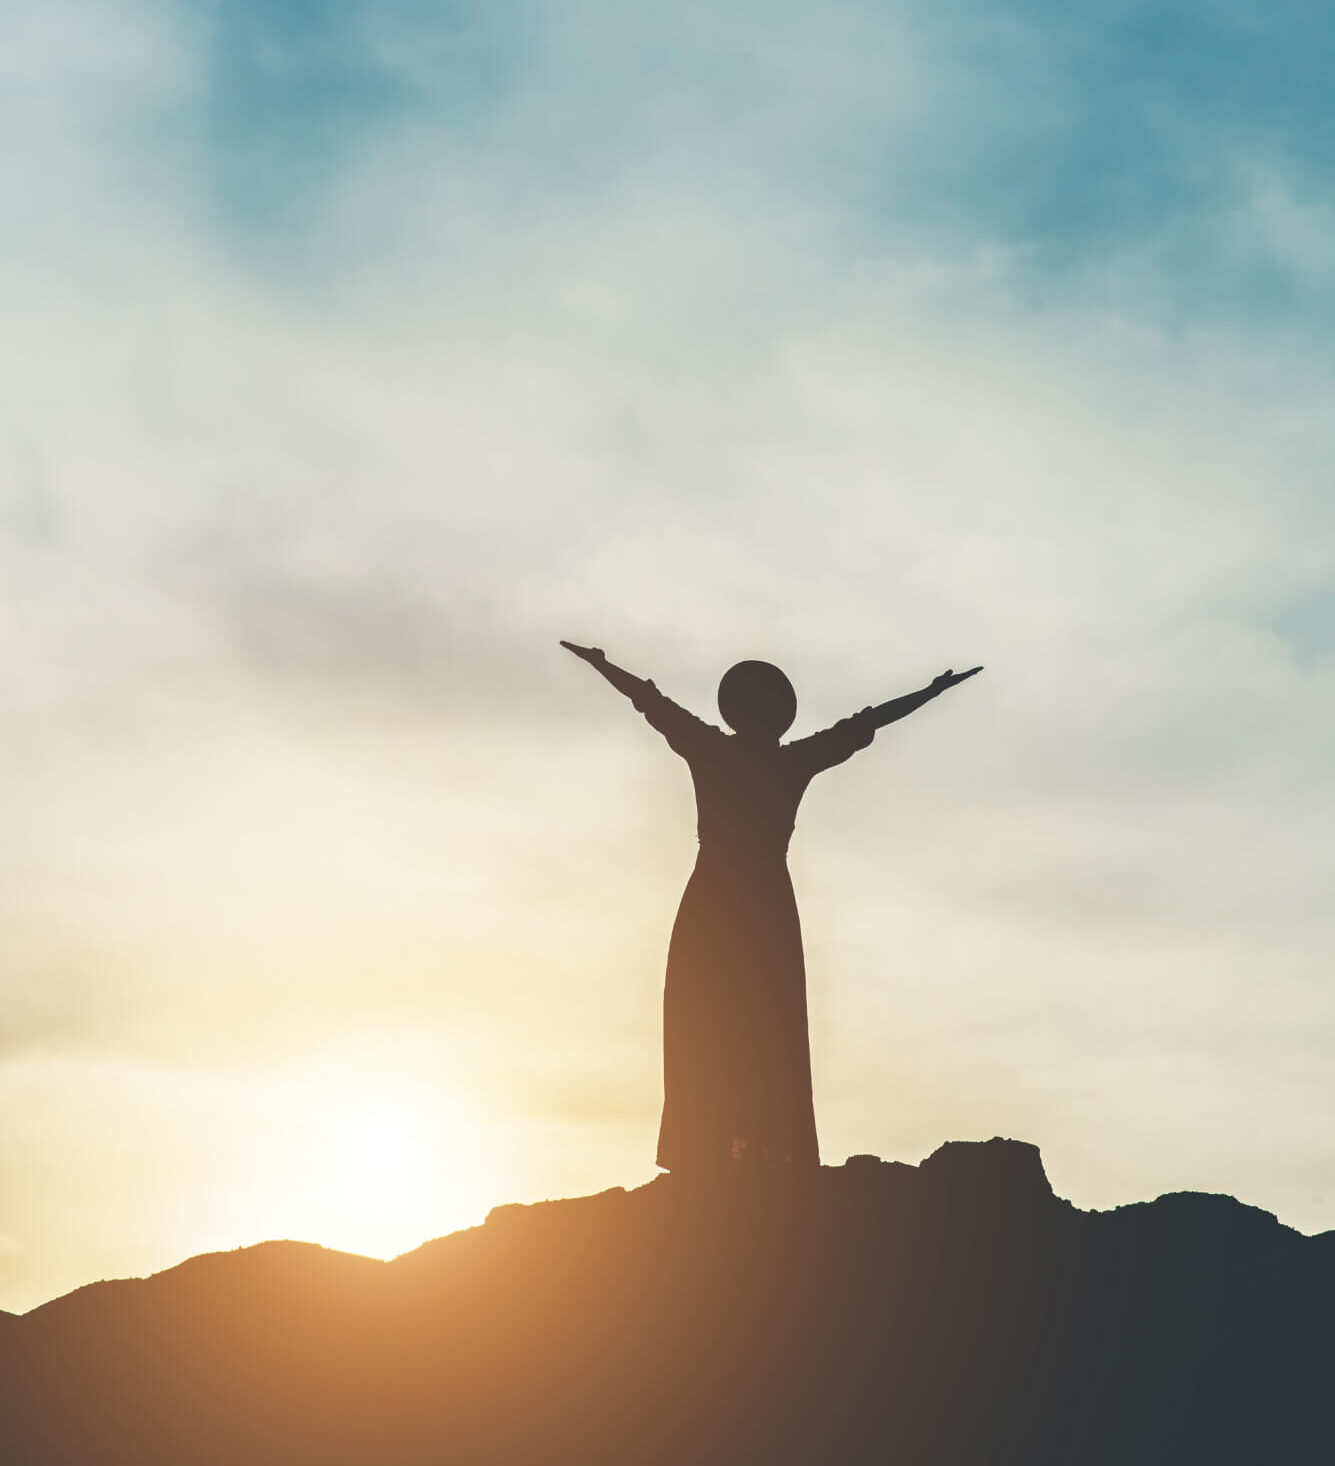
<point>370,1169</point>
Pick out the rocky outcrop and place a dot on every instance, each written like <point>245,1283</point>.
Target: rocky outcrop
<point>956,1313</point>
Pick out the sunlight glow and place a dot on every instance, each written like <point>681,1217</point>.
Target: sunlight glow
<point>374,1171</point>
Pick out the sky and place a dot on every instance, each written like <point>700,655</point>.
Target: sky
<point>355,353</point>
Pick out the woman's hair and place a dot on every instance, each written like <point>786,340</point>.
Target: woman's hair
<point>756,698</point>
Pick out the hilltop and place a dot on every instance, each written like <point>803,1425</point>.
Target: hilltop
<point>955,1313</point>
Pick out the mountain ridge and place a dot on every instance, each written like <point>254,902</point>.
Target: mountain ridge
<point>955,1313</point>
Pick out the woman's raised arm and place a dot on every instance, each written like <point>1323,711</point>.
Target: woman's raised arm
<point>625,682</point>
<point>685,733</point>
<point>901,707</point>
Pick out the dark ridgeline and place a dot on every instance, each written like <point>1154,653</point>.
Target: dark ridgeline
<point>736,1056</point>
<point>950,1314</point>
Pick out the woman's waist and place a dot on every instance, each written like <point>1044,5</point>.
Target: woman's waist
<point>747,850</point>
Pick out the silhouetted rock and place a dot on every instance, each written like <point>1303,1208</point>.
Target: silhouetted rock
<point>1005,1173</point>
<point>950,1314</point>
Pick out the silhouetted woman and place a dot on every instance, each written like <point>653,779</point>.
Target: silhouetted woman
<point>736,1057</point>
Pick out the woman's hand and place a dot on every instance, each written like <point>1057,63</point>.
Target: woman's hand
<point>951,678</point>
<point>594,655</point>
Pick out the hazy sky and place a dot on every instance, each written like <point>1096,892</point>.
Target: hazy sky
<point>354,353</point>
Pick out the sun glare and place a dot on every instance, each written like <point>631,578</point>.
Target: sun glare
<point>374,1171</point>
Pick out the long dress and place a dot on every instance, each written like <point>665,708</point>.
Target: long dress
<point>736,1054</point>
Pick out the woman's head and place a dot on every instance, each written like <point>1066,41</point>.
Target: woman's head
<point>757,700</point>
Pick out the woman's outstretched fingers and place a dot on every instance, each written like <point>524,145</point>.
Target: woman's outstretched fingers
<point>952,678</point>
<point>593,654</point>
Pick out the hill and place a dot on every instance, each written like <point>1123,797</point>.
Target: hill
<point>955,1313</point>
